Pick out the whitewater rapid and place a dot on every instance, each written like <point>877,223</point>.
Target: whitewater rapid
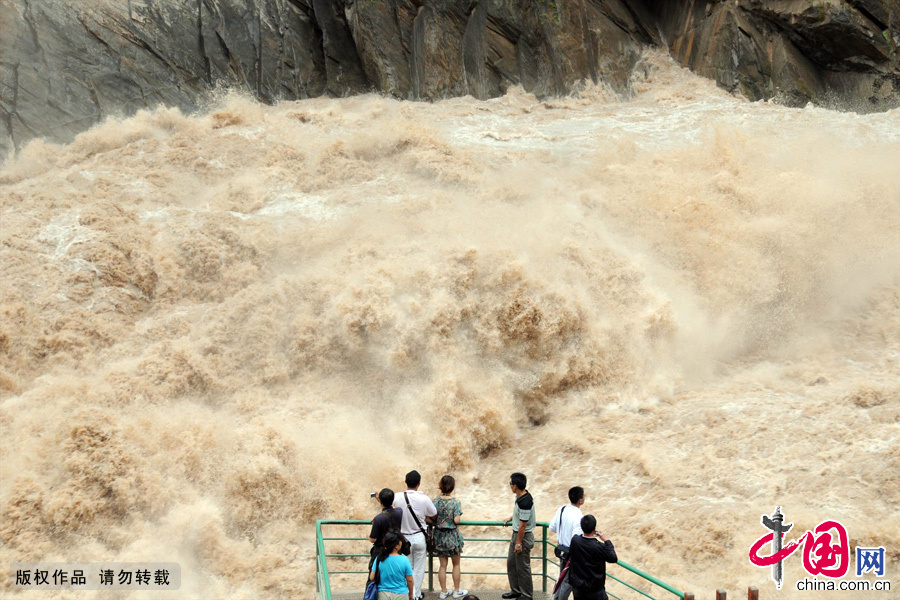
<point>215,329</point>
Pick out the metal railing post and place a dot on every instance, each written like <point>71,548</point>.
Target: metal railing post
<point>430,572</point>
<point>321,556</point>
<point>544,559</point>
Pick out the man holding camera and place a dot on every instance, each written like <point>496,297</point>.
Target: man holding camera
<point>389,518</point>
<point>588,555</point>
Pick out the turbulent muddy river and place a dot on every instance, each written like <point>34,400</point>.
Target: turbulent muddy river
<point>215,329</point>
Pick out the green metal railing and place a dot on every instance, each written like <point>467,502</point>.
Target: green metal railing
<point>323,581</point>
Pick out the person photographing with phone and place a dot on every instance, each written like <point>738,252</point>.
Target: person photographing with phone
<point>388,519</point>
<point>588,555</point>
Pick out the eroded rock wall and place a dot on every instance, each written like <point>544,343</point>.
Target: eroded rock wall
<point>828,51</point>
<point>67,64</point>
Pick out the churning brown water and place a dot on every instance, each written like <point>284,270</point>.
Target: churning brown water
<point>216,329</point>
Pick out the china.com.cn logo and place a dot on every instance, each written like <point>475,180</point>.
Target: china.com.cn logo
<point>826,550</point>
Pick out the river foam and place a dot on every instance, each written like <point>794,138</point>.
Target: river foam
<point>215,329</point>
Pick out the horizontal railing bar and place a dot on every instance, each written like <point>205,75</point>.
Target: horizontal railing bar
<point>483,573</point>
<point>467,557</point>
<point>613,595</point>
<point>468,539</point>
<point>498,573</point>
<point>462,523</point>
<point>626,584</point>
<point>661,584</point>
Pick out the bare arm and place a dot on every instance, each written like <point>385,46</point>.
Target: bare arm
<point>520,536</point>
<point>409,583</point>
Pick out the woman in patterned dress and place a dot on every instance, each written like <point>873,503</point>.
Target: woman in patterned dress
<point>448,540</point>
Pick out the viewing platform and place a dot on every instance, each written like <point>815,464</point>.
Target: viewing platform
<point>343,554</point>
<point>482,595</point>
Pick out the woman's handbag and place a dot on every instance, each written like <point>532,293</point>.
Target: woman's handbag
<point>371,591</point>
<point>372,586</point>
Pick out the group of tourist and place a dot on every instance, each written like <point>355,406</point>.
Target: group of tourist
<point>400,528</point>
<point>399,548</point>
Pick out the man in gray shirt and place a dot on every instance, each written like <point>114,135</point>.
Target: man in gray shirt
<point>518,560</point>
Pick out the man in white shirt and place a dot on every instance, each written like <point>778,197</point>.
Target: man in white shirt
<point>413,527</point>
<point>566,524</point>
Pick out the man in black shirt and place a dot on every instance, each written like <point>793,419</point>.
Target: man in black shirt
<point>588,555</point>
<point>387,519</point>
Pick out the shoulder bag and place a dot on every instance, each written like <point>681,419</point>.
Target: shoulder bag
<point>561,552</point>
<point>372,586</point>
<point>429,534</point>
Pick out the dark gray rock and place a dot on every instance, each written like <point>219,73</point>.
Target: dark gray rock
<point>66,65</point>
<point>842,54</point>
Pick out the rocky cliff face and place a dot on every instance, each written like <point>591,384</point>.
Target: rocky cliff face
<point>66,64</point>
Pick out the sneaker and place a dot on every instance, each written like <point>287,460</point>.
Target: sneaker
<point>460,593</point>
<point>444,595</point>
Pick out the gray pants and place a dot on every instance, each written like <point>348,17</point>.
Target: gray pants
<point>518,566</point>
<point>564,591</point>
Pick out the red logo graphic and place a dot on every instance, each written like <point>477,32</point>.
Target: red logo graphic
<point>822,553</point>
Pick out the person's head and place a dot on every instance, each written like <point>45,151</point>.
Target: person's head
<point>576,495</point>
<point>470,597</point>
<point>518,481</point>
<point>413,479</point>
<point>392,541</point>
<point>386,497</point>
<point>588,524</point>
<point>448,484</point>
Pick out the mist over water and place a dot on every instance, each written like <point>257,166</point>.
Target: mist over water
<point>215,329</point>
